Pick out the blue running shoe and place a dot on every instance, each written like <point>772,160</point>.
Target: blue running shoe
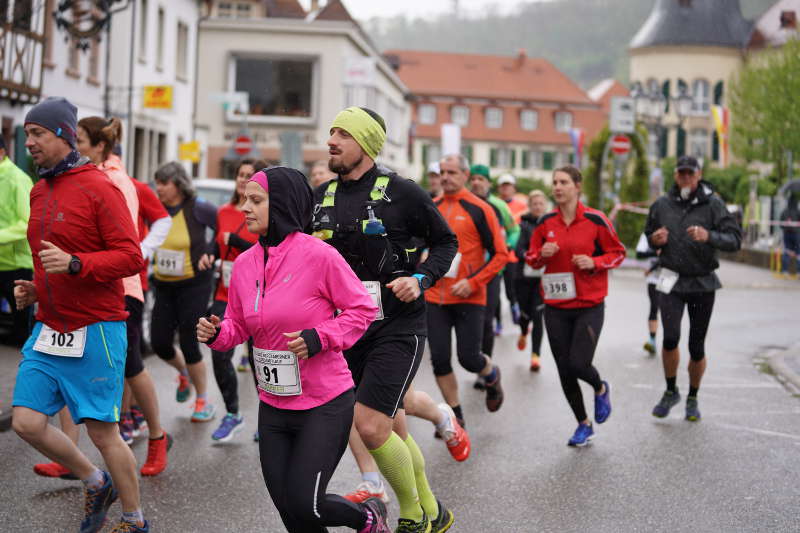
<point>692,411</point>
<point>230,426</point>
<point>127,527</point>
<point>582,435</point>
<point>602,405</point>
<point>97,504</point>
<point>667,402</point>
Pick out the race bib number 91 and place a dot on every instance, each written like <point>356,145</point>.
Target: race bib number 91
<point>559,286</point>
<point>70,344</point>
<point>277,372</point>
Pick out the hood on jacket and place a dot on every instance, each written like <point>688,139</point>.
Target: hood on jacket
<point>290,204</point>
<point>701,195</point>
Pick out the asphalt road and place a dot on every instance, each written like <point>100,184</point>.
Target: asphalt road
<point>736,470</point>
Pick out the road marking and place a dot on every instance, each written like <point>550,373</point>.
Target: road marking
<point>720,386</point>
<point>760,431</point>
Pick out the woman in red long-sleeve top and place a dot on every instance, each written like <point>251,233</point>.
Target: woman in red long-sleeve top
<point>577,246</point>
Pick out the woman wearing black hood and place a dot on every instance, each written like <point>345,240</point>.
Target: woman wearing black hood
<point>285,294</point>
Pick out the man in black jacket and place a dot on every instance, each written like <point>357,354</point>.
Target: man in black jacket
<point>688,224</point>
<point>379,222</point>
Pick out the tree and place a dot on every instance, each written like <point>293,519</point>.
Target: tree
<point>765,108</point>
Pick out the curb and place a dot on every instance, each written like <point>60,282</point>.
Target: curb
<point>784,373</point>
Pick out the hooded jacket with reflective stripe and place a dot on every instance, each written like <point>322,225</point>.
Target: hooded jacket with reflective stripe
<point>84,214</point>
<point>592,234</point>
<point>480,243</point>
<point>15,189</point>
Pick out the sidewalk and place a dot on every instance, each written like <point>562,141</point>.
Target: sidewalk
<point>9,360</point>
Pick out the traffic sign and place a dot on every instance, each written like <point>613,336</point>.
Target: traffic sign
<point>243,145</point>
<point>620,145</point>
<point>623,115</point>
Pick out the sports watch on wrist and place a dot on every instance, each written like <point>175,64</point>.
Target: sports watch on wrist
<point>424,281</point>
<point>74,264</point>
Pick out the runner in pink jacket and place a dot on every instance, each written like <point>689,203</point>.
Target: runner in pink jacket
<point>285,293</point>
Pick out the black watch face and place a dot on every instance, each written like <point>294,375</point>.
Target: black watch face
<point>426,282</point>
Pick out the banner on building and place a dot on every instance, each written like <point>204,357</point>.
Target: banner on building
<point>157,97</point>
<point>451,139</point>
<point>722,124</point>
<point>189,151</point>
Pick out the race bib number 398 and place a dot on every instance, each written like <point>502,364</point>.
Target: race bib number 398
<point>277,372</point>
<point>70,344</point>
<point>559,286</point>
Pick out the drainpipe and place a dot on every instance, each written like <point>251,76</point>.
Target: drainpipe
<point>131,130</point>
<point>197,68</point>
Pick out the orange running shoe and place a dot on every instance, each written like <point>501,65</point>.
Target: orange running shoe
<point>522,342</point>
<point>156,455</point>
<point>535,365</point>
<point>53,470</point>
<point>366,490</point>
<point>455,436</point>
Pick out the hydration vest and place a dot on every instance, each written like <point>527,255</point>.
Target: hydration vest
<point>325,226</point>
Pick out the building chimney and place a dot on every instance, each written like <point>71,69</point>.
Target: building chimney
<point>521,57</point>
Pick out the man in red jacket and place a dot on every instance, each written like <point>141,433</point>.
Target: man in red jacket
<point>83,243</point>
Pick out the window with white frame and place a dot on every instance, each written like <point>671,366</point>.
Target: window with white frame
<point>459,114</point>
<point>563,121</point>
<point>701,97</point>
<point>182,52</point>
<point>241,10</point>
<point>698,143</point>
<point>503,157</point>
<point>531,159</point>
<point>528,119</point>
<point>494,117</point>
<point>277,87</point>
<point>427,114</point>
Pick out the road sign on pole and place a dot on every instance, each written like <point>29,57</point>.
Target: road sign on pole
<point>620,145</point>
<point>243,144</point>
<point>623,117</point>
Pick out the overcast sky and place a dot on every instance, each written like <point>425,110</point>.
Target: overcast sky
<point>365,9</point>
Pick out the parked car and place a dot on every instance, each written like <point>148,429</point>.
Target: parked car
<point>215,191</point>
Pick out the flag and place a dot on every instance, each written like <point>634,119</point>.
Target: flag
<point>578,138</point>
<point>721,123</point>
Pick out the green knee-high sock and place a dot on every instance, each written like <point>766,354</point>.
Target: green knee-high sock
<point>426,497</point>
<point>394,461</point>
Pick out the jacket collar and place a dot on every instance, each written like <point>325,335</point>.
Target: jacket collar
<point>365,182</point>
<point>71,161</point>
<point>579,211</point>
<point>701,195</point>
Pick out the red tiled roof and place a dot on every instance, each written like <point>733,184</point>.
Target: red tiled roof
<point>290,9</point>
<point>605,93</point>
<point>485,76</point>
<point>334,10</point>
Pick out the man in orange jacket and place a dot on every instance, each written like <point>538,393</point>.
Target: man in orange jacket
<point>459,298</point>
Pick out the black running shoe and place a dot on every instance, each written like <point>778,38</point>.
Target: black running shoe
<point>444,520</point>
<point>405,525</point>
<point>667,402</point>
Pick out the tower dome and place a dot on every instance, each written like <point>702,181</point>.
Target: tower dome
<point>694,23</point>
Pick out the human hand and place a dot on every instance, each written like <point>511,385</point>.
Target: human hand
<point>583,262</point>
<point>660,236</point>
<point>698,233</point>
<point>406,288</point>
<point>549,249</point>
<point>24,293</point>
<point>54,259</point>
<point>206,261</point>
<point>461,289</point>
<point>297,345</point>
<point>207,327</point>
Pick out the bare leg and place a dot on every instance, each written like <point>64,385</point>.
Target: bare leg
<point>671,359</point>
<point>33,428</point>
<point>652,327</point>
<point>449,388</point>
<point>70,428</point>
<point>119,459</point>
<point>696,371</point>
<point>127,397</point>
<point>145,391</point>
<point>419,403</point>
<point>359,450</point>
<point>197,373</point>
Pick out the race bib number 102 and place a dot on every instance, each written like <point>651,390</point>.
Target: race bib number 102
<point>70,344</point>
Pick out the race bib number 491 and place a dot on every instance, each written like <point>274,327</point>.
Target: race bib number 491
<point>277,372</point>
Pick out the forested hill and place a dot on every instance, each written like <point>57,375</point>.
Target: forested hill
<point>587,39</point>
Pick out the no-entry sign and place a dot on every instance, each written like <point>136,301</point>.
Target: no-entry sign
<point>620,145</point>
<point>243,145</point>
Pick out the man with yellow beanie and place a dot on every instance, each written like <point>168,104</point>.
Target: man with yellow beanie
<point>380,223</point>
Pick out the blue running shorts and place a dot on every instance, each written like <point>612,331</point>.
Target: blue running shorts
<point>90,386</point>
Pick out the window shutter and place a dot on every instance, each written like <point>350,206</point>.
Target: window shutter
<point>526,159</point>
<point>493,157</point>
<point>547,160</point>
<point>665,90</point>
<point>719,92</point>
<point>663,143</point>
<point>681,148</point>
<point>715,147</point>
<point>425,156</point>
<point>513,157</point>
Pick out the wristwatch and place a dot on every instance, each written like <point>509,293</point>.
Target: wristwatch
<point>74,265</point>
<point>424,281</point>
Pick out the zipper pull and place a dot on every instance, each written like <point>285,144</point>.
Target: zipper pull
<point>258,295</point>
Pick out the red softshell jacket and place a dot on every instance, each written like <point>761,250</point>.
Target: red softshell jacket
<point>84,214</point>
<point>592,234</point>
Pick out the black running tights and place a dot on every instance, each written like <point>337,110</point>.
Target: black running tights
<point>573,335</point>
<point>700,306</point>
<point>531,310</point>
<point>299,452</point>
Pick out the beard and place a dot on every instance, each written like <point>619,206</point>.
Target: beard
<point>341,168</point>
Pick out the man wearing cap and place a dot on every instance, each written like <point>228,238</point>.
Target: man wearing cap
<point>375,219</point>
<point>15,254</point>
<point>688,225</point>
<point>481,185</point>
<point>84,243</point>
<point>434,179</point>
<point>507,189</point>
